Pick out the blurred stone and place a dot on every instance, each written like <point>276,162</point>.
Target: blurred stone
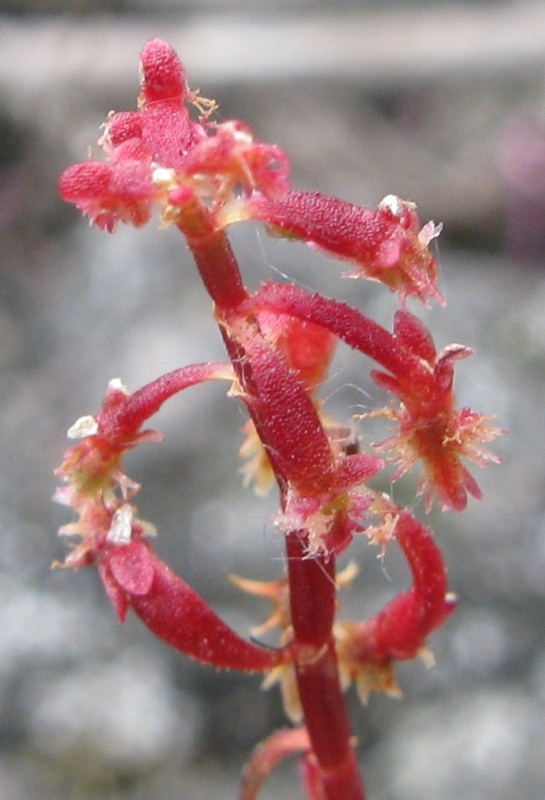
<point>479,642</point>
<point>476,746</point>
<point>121,715</point>
<point>22,779</point>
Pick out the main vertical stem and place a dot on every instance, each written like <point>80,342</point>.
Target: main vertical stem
<point>213,256</point>
<point>312,580</point>
<point>312,597</point>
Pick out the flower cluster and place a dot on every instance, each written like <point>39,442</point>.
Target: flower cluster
<point>159,156</point>
<point>203,176</point>
<point>429,427</point>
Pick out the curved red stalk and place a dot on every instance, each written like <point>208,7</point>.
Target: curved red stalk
<point>267,755</point>
<point>401,629</point>
<point>348,324</point>
<point>124,414</point>
<point>134,576</point>
<point>403,626</point>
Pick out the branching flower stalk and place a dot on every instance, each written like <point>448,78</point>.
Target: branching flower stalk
<point>202,176</point>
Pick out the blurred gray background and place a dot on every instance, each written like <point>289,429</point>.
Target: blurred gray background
<point>440,103</point>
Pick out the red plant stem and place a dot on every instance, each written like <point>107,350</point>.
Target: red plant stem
<point>214,258</point>
<point>267,755</point>
<point>312,598</point>
<point>279,406</point>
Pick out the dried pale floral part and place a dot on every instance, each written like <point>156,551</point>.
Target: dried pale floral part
<point>387,514</point>
<point>277,592</point>
<point>83,427</point>
<point>429,232</point>
<point>345,578</point>
<point>326,525</point>
<point>120,530</point>
<point>329,520</point>
<point>257,471</point>
<point>425,654</point>
<point>396,205</point>
<point>377,678</point>
<point>370,675</point>
<point>284,676</point>
<point>117,385</point>
<point>102,522</point>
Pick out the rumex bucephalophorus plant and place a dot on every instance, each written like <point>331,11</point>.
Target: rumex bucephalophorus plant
<point>203,176</point>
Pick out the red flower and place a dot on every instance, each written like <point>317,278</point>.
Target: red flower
<point>157,153</point>
<point>429,426</point>
<point>385,245</point>
<point>367,650</point>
